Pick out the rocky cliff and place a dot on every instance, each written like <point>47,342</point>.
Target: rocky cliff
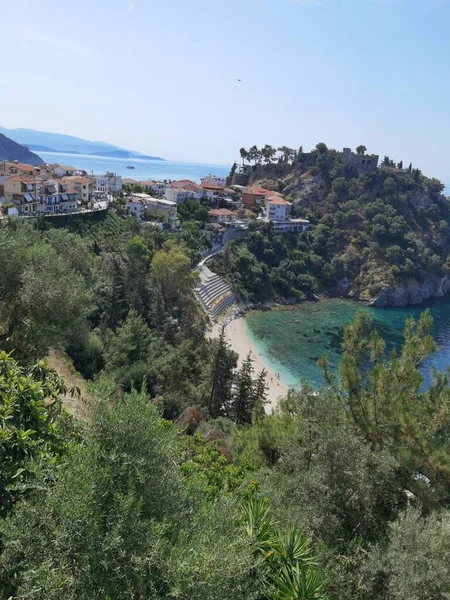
<point>381,236</point>
<point>412,292</point>
<point>10,150</point>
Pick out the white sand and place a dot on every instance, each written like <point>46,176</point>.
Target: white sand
<point>237,337</point>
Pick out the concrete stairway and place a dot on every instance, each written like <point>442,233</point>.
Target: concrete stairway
<point>214,294</point>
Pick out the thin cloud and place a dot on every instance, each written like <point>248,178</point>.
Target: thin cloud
<point>131,6</point>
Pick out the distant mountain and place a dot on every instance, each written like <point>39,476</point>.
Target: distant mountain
<point>56,142</point>
<point>11,150</point>
<point>37,148</point>
<point>125,154</point>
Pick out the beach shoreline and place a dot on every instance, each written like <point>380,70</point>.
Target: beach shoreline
<point>237,337</point>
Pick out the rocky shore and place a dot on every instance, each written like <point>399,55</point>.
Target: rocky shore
<point>412,293</point>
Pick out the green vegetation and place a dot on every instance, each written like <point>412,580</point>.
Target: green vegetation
<point>340,494</point>
<point>125,505</point>
<point>368,231</point>
<point>118,298</point>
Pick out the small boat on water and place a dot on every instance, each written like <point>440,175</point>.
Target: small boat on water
<point>130,167</point>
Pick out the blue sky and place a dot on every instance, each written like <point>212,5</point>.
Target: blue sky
<point>160,76</point>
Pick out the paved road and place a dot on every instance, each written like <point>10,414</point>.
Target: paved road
<point>213,253</point>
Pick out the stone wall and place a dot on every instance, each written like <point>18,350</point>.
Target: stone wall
<point>363,162</point>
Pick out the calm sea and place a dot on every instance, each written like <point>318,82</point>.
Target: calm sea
<point>143,169</point>
<point>291,341</point>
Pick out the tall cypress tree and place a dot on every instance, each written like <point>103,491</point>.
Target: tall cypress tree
<point>222,366</point>
<point>259,395</point>
<point>243,397</point>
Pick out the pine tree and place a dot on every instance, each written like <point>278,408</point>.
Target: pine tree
<point>243,397</point>
<point>222,367</point>
<point>259,396</point>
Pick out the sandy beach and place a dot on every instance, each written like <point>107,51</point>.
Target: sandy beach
<point>239,342</point>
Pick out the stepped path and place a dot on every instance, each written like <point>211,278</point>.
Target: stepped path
<point>213,292</point>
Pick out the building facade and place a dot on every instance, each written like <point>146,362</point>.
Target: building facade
<point>82,185</point>
<point>221,215</point>
<point>256,196</point>
<point>110,183</point>
<point>212,179</point>
<point>157,187</point>
<point>32,197</point>
<point>278,209</point>
<point>180,191</point>
<point>278,213</point>
<point>140,204</point>
<point>17,168</point>
<point>63,171</point>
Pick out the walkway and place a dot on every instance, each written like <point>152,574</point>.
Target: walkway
<point>213,292</point>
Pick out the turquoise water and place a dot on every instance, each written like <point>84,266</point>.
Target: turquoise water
<point>291,341</point>
<point>143,169</point>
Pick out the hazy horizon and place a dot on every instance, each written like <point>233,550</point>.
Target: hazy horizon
<point>160,77</point>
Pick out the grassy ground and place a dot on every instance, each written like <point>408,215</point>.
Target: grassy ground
<point>75,405</point>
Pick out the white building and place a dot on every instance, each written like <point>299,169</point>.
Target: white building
<point>157,187</point>
<point>277,209</point>
<point>212,191</point>
<point>177,195</point>
<point>278,213</point>
<point>180,191</point>
<point>212,179</point>
<point>63,171</point>
<point>108,183</point>
<point>138,204</point>
<point>296,225</point>
<point>221,215</point>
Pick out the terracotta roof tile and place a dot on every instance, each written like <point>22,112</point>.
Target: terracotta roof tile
<point>279,201</point>
<point>212,186</point>
<point>215,212</point>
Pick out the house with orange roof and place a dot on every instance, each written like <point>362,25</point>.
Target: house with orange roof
<point>22,191</point>
<point>256,196</point>
<point>83,186</point>
<point>157,187</point>
<point>221,215</point>
<point>278,211</point>
<point>16,168</point>
<point>180,191</point>
<point>212,190</point>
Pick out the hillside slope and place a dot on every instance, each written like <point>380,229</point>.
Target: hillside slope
<point>382,237</point>
<point>10,150</point>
